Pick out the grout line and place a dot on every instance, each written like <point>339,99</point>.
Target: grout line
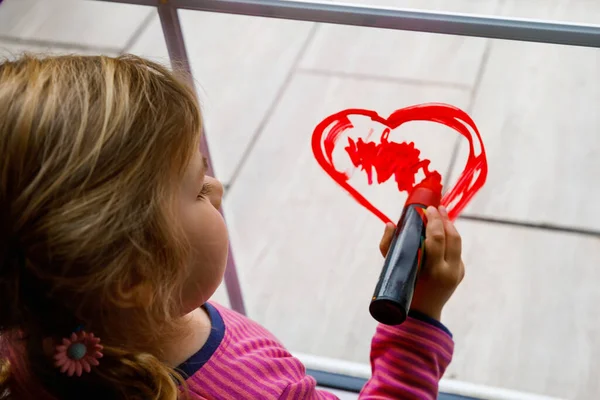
<point>381,78</point>
<point>139,31</point>
<point>273,106</point>
<point>474,91</point>
<point>60,45</point>
<point>470,107</point>
<point>540,226</point>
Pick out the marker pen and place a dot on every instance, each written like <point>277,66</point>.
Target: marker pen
<point>396,285</point>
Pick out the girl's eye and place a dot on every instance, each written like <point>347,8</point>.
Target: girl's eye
<point>204,192</point>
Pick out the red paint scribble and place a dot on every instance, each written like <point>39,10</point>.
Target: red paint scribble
<point>401,160</point>
<point>388,158</point>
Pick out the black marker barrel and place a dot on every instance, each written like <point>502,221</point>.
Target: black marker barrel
<point>394,291</point>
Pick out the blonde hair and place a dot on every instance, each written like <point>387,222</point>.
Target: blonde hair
<point>92,152</point>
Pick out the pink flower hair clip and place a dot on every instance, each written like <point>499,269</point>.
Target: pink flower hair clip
<point>78,353</point>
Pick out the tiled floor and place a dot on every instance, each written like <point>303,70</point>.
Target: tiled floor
<point>405,56</point>
<point>525,317</point>
<point>538,116</point>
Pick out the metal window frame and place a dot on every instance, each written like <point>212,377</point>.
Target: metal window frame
<point>527,30</point>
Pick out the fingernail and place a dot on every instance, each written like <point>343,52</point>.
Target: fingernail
<point>431,210</point>
<point>443,211</point>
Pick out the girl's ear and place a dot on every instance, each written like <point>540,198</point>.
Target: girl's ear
<point>128,295</point>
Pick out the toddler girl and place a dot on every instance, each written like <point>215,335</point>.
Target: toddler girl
<point>111,244</point>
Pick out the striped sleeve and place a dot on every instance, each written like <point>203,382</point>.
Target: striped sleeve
<point>407,361</point>
<point>305,388</point>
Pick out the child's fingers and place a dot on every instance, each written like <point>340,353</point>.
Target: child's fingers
<point>461,272</point>
<point>435,236</point>
<point>453,239</point>
<point>386,239</point>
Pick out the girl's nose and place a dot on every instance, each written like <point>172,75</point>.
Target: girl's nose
<point>216,191</point>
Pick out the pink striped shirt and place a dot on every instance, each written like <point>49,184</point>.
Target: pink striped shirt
<point>242,360</point>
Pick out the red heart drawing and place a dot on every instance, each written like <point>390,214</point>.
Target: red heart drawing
<point>400,160</point>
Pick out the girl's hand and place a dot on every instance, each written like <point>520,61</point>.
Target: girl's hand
<point>443,269</point>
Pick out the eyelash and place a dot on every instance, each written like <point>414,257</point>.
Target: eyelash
<point>204,192</point>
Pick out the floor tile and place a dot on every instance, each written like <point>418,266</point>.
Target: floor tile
<point>460,6</point>
<point>307,253</point>
<point>14,49</point>
<point>537,112</point>
<point>525,317</point>
<point>240,64</point>
<point>85,23</point>
<point>572,11</point>
<point>452,60</point>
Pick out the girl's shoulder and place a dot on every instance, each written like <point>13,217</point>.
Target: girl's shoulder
<point>241,357</point>
<point>239,327</point>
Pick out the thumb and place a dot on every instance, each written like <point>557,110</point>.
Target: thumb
<point>386,239</point>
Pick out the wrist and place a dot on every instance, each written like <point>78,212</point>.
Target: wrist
<point>419,316</point>
<point>431,312</point>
